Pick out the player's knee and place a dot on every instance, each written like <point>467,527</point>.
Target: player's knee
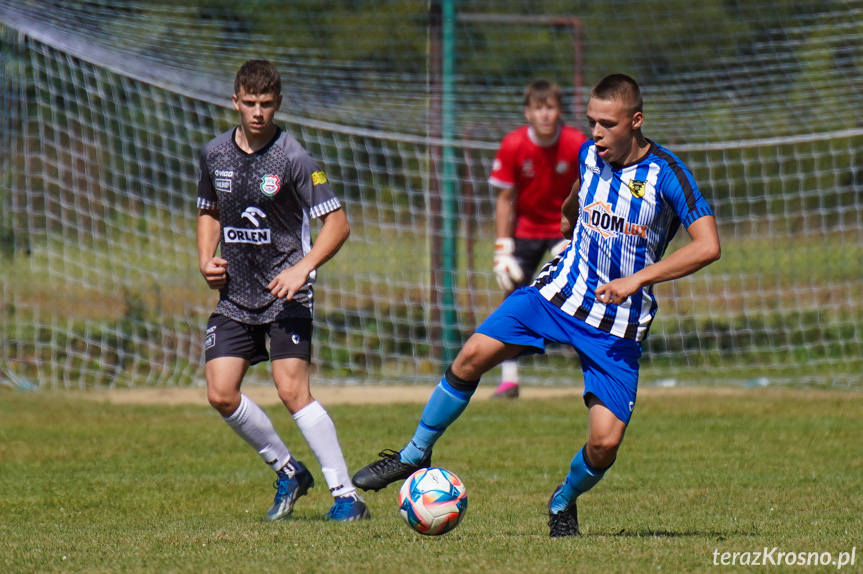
<point>464,370</point>
<point>601,451</point>
<point>225,403</point>
<point>294,399</point>
<point>608,443</point>
<point>469,363</point>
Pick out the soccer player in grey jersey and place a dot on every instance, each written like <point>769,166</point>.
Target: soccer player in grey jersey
<point>258,190</point>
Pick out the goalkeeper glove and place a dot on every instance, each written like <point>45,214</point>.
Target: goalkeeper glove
<point>506,267</point>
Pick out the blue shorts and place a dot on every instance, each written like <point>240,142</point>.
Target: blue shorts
<point>610,363</point>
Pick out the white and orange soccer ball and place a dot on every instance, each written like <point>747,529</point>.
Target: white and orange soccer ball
<point>433,501</point>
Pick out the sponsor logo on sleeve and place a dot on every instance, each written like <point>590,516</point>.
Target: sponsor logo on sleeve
<point>318,178</point>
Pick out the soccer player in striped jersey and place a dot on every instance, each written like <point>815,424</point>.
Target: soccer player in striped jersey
<point>257,192</point>
<point>597,295</point>
<point>534,169</point>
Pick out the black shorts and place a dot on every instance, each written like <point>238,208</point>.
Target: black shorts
<point>289,338</point>
<point>530,253</point>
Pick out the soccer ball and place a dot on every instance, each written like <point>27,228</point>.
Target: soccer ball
<point>432,501</point>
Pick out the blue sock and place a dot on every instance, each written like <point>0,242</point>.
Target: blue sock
<point>442,409</point>
<point>581,478</point>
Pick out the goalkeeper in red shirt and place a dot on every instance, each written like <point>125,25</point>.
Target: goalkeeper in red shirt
<point>534,169</point>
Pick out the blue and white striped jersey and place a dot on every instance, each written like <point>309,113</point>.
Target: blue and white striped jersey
<point>627,217</point>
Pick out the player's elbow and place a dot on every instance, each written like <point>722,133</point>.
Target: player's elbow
<point>346,230</point>
<point>712,252</point>
<point>706,240</point>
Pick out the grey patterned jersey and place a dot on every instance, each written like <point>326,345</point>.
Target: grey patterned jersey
<point>265,201</point>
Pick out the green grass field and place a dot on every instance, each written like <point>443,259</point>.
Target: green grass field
<point>91,487</point>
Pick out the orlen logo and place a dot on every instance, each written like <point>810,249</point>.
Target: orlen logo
<point>253,236</point>
<point>252,213</point>
<point>599,217</point>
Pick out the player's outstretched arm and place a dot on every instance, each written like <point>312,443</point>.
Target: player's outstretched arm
<point>703,250</point>
<point>212,268</point>
<point>332,236</point>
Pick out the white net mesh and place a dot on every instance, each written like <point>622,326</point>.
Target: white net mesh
<point>104,106</point>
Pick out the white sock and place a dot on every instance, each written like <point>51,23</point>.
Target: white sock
<point>253,425</point>
<point>320,432</point>
<point>509,371</point>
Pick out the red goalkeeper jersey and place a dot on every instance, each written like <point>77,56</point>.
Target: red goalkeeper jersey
<point>542,177</point>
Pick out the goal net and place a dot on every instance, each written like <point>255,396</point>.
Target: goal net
<point>104,107</point>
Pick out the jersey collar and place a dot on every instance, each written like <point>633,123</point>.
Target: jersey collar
<point>263,150</point>
<point>535,139</point>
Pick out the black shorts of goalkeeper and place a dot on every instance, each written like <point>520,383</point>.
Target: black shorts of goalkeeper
<point>290,338</point>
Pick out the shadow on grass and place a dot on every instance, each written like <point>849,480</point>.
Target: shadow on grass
<point>310,519</point>
<point>670,534</point>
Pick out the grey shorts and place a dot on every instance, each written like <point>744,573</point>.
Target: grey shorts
<point>289,338</point>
